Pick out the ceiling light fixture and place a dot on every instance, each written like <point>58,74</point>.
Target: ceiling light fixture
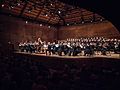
<point>59,12</point>
<point>68,24</point>
<point>40,24</point>
<point>18,4</point>
<point>101,20</point>
<point>82,22</point>
<point>26,22</point>
<point>48,26</point>
<point>12,7</point>
<point>3,5</point>
<point>29,11</point>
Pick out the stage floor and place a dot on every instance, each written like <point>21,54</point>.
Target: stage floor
<point>116,56</point>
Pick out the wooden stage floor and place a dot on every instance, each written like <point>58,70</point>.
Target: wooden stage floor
<point>116,56</point>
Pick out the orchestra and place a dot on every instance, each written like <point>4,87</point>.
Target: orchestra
<point>73,47</point>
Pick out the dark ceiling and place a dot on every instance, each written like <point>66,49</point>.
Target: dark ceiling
<point>54,12</point>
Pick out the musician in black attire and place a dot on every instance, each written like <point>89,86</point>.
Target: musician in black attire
<point>26,46</point>
<point>49,49</point>
<point>65,49</point>
<point>117,48</point>
<point>30,47</point>
<point>60,49</point>
<point>53,48</point>
<point>104,49</point>
<point>57,47</point>
<point>77,50</point>
<point>71,49</point>
<point>98,47</point>
<point>21,47</point>
<point>88,50</point>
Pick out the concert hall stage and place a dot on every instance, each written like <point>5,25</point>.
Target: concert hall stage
<point>94,57</point>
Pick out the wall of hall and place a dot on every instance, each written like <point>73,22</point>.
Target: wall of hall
<point>105,29</point>
<point>15,30</point>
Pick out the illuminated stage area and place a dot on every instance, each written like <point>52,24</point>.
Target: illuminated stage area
<point>112,56</point>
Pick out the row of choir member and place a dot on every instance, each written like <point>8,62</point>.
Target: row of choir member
<point>87,46</point>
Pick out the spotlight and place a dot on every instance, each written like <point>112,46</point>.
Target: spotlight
<point>26,22</point>
<point>46,15</point>
<point>59,12</point>
<point>3,5</point>
<point>12,7</point>
<point>40,24</point>
<point>101,20</point>
<point>29,11</point>
<point>51,4</point>
<point>48,26</point>
<point>82,22</point>
<point>18,4</point>
<point>68,24</point>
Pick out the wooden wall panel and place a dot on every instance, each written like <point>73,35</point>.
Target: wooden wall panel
<point>15,30</point>
<point>105,29</point>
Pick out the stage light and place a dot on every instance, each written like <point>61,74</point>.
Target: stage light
<point>51,4</point>
<point>29,11</point>
<point>59,12</point>
<point>12,7</point>
<point>18,4</point>
<point>48,26</point>
<point>68,24</point>
<point>3,5</point>
<point>46,15</point>
<point>101,20</point>
<point>52,13</point>
<point>82,22</point>
<point>40,24</point>
<point>26,22</point>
